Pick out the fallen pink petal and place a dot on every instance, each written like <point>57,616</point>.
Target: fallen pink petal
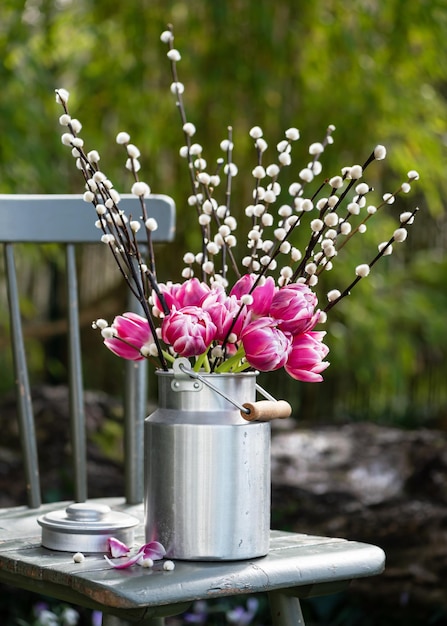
<point>124,565</point>
<point>153,550</point>
<point>149,551</point>
<point>117,548</point>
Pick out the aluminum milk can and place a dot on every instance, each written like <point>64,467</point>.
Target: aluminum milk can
<point>207,470</point>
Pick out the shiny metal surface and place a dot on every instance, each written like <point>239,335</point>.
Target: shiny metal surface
<point>85,527</point>
<point>207,471</point>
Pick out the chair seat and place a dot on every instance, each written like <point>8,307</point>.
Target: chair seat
<point>302,565</point>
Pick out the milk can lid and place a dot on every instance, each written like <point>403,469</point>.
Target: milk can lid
<point>86,518</point>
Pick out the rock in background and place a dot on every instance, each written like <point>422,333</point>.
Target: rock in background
<point>380,485</point>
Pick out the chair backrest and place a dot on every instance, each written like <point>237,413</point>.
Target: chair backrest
<point>68,220</point>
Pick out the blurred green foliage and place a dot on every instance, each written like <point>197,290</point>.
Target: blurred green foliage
<point>375,70</point>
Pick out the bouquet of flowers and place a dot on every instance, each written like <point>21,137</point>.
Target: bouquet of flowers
<point>234,311</point>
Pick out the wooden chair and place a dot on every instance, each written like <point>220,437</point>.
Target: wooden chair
<point>297,565</point>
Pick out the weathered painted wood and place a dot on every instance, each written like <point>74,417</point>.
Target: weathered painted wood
<point>286,611</point>
<point>76,383</point>
<point>304,565</point>
<point>25,416</point>
<point>61,218</point>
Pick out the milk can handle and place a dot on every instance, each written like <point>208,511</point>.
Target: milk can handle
<point>263,411</point>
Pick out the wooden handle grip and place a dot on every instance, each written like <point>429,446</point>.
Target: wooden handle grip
<point>266,410</point>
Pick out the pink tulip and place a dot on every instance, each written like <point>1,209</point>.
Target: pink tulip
<point>262,297</point>
<point>243,285</point>
<point>179,295</point>
<point>224,310</point>
<point>266,346</point>
<point>294,308</point>
<point>189,331</point>
<point>132,332</point>
<point>262,294</point>
<point>305,360</point>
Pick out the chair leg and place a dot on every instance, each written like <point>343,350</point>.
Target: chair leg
<point>285,609</point>
<point>111,620</point>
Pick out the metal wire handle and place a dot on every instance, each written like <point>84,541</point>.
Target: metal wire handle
<point>185,366</point>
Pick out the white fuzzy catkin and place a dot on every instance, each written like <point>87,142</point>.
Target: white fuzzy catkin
<point>177,88</point>
<point>356,171</point>
<point>293,134</point>
<point>100,323</point>
<point>188,258</point>
<point>316,148</point>
<point>151,224</point>
<point>316,225</point>
<point>122,138</point>
<point>64,119</point>
<point>362,270</point>
<point>62,96</point>
<point>67,139</point>
<point>385,248</point>
<point>333,295</point>
<point>400,235</point>
<point>255,132</point>
<point>141,189</point>
<point>336,182</point>
<point>406,218</point>
<point>189,129</point>
<point>258,172</point>
<point>306,174</point>
<point>331,219</point>
<point>173,55</point>
<point>285,159</point>
<point>379,152</point>
<point>166,36</point>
